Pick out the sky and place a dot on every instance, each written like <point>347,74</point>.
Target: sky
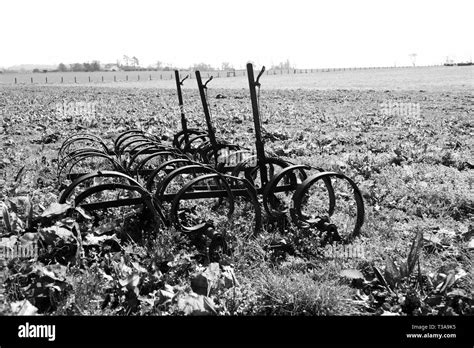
<point>309,33</point>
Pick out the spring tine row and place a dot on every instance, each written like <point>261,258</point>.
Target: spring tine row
<point>199,165</point>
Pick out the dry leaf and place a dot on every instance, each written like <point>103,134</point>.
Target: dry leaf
<point>56,209</point>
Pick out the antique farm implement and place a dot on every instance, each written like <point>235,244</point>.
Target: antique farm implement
<point>190,185</point>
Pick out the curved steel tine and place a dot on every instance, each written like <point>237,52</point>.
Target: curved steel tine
<point>162,167</point>
<point>178,197</point>
<point>98,174</point>
<point>190,169</point>
<point>304,187</point>
<point>142,163</point>
<point>269,189</point>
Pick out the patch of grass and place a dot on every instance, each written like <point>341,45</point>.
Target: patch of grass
<point>284,291</point>
<point>88,292</point>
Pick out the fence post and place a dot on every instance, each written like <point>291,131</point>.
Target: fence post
<point>89,79</point>
<point>62,79</point>
<point>218,75</point>
<point>115,78</point>
<point>126,77</point>
<point>31,80</point>
<point>150,77</point>
<point>161,77</point>
<point>102,78</point>
<point>15,80</point>
<point>138,77</point>
<point>75,79</point>
<point>46,79</point>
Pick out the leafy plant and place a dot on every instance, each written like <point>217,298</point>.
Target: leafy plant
<point>394,274</point>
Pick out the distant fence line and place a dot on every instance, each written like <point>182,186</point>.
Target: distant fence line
<point>122,76</point>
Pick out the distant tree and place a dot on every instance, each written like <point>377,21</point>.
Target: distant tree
<point>159,65</point>
<point>202,66</point>
<point>413,58</point>
<point>77,67</point>
<point>126,60</point>
<point>226,66</point>
<point>62,67</point>
<point>95,65</point>
<point>283,65</point>
<point>135,62</point>
<point>36,70</point>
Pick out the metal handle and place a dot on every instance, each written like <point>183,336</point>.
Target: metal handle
<point>181,82</point>
<point>257,83</point>
<point>210,79</point>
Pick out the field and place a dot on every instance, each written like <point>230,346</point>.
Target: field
<point>429,78</point>
<point>414,169</point>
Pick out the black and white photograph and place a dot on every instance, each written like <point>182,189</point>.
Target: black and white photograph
<point>217,167</point>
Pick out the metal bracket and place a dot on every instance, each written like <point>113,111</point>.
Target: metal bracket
<point>257,82</point>
<point>181,82</point>
<point>205,85</point>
